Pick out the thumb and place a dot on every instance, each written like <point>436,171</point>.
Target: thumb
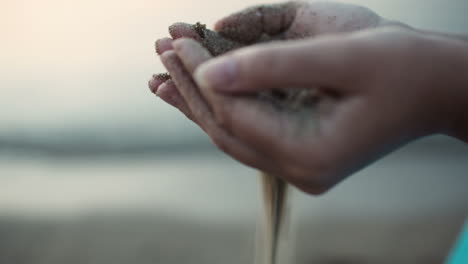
<point>250,24</point>
<point>325,62</point>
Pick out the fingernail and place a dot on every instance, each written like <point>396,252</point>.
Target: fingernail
<point>219,74</point>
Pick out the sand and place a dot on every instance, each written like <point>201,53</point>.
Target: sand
<point>272,225</point>
<point>162,77</point>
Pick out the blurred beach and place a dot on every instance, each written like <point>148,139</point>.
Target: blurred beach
<point>95,169</point>
<point>202,208</point>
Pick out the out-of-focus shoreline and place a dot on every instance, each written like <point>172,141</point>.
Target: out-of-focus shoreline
<point>199,206</point>
<point>60,148</point>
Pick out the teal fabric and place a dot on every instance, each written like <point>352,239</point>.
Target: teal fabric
<point>460,252</point>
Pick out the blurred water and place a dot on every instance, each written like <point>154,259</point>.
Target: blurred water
<point>203,185</point>
<point>425,177</point>
<point>406,208</point>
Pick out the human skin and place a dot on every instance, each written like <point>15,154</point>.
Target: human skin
<point>384,85</point>
<point>299,19</point>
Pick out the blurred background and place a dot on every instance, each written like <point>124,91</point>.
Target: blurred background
<point>96,169</point>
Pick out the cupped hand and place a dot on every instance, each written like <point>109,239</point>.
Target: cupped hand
<point>376,81</point>
<point>286,21</point>
<point>382,89</point>
<point>291,20</point>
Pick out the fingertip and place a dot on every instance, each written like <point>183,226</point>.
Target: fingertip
<point>218,25</point>
<point>168,93</point>
<point>155,82</point>
<point>163,45</point>
<point>153,85</point>
<point>222,23</point>
<point>183,30</point>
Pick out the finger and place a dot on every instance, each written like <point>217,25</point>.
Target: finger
<point>157,80</point>
<point>191,53</point>
<point>163,45</point>
<point>169,93</point>
<point>184,30</point>
<point>187,88</point>
<point>203,114</point>
<point>248,25</point>
<point>325,62</point>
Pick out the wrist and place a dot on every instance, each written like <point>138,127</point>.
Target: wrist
<point>453,82</point>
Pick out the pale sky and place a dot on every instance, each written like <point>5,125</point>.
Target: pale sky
<point>66,62</point>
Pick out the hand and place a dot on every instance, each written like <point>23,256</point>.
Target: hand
<point>383,89</point>
<point>290,20</point>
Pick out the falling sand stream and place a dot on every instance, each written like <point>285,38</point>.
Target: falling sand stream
<point>272,222</point>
